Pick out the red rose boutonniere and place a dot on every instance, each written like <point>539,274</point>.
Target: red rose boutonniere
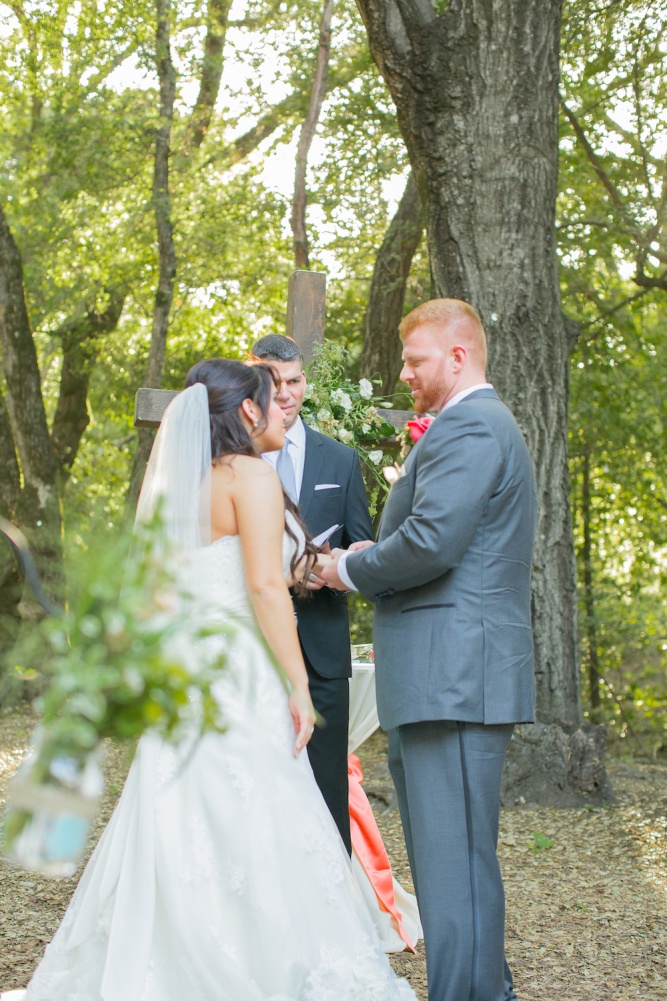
<point>418,426</point>
<point>412,432</point>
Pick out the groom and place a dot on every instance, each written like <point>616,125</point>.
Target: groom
<point>450,578</point>
<point>324,477</point>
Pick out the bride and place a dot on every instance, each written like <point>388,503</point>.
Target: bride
<point>221,875</point>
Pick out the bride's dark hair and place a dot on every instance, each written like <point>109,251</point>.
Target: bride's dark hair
<point>228,383</point>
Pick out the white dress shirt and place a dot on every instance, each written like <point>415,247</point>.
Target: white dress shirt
<point>296,437</point>
<point>342,572</point>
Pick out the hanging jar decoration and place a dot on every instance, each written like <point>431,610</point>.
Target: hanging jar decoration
<point>52,804</point>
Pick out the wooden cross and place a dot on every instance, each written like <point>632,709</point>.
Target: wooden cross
<point>306,300</point>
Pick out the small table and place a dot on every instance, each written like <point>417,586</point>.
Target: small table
<point>363,707</point>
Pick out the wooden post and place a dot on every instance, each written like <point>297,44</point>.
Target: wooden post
<point>306,300</point>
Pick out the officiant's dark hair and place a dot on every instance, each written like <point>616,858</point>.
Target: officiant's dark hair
<point>228,383</point>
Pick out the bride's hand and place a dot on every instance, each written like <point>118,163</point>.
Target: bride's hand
<point>303,716</point>
<point>313,581</point>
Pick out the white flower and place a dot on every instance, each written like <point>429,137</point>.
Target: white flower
<point>365,428</point>
<point>375,457</point>
<point>344,434</point>
<point>324,415</point>
<point>365,389</point>
<point>343,399</point>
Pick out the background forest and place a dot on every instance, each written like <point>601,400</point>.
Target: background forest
<point>167,165</point>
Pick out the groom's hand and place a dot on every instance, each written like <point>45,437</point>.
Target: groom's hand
<point>329,573</point>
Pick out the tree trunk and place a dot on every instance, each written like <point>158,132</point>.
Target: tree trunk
<point>167,253</point>
<point>80,340</point>
<point>10,489</point>
<point>10,477</point>
<point>306,138</point>
<point>37,508</point>
<point>590,623</point>
<point>381,353</point>
<point>476,93</point>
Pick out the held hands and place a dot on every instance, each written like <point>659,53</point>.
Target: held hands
<point>303,716</point>
<point>329,573</point>
<point>325,571</point>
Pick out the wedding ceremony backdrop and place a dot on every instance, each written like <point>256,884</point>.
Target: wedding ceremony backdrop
<point>167,165</point>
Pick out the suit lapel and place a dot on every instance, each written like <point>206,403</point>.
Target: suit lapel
<point>311,470</point>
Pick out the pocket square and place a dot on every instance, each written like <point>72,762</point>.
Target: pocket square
<point>327,486</point>
<point>393,473</point>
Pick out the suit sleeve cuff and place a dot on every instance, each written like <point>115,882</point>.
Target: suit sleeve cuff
<point>344,575</point>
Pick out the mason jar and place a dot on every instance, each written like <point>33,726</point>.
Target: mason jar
<point>51,805</point>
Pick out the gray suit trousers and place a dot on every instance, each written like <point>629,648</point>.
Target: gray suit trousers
<point>447,778</point>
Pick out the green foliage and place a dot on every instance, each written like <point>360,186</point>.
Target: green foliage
<point>347,411</point>
<point>611,217</point>
<point>120,660</point>
<point>540,842</point>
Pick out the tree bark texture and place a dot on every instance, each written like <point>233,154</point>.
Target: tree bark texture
<point>590,624</point>
<point>37,507</point>
<point>80,343</point>
<point>167,254</point>
<point>476,92</point>
<point>10,476</point>
<point>381,354</point>
<point>306,138</point>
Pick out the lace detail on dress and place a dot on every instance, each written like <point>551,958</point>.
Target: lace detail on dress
<point>323,839</point>
<point>342,977</point>
<point>241,780</point>
<point>202,866</point>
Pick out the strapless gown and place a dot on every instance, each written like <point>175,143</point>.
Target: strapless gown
<point>221,875</point>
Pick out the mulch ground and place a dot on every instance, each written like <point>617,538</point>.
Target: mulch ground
<point>586,888</point>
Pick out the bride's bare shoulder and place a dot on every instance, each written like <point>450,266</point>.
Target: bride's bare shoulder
<point>243,468</point>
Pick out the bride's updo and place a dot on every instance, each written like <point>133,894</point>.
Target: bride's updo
<point>228,383</point>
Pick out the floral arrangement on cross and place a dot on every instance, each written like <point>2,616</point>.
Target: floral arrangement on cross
<point>348,411</point>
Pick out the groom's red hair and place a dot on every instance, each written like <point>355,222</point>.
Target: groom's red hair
<point>447,313</point>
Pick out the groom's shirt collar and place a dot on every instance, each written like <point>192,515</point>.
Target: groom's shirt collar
<point>465,392</point>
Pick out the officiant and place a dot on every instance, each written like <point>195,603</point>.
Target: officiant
<point>324,478</point>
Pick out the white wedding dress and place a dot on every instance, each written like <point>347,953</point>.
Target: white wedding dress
<point>221,875</point>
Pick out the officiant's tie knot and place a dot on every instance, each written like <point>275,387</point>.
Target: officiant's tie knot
<point>285,470</point>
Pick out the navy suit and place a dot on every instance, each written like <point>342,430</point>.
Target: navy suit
<point>322,618</point>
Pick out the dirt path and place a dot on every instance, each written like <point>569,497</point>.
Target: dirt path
<point>586,917</point>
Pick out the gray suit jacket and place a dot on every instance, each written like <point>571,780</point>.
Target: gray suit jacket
<point>450,575</point>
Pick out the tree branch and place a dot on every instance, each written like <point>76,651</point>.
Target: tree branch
<point>211,72</point>
<point>596,163</point>
<point>318,89</point>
